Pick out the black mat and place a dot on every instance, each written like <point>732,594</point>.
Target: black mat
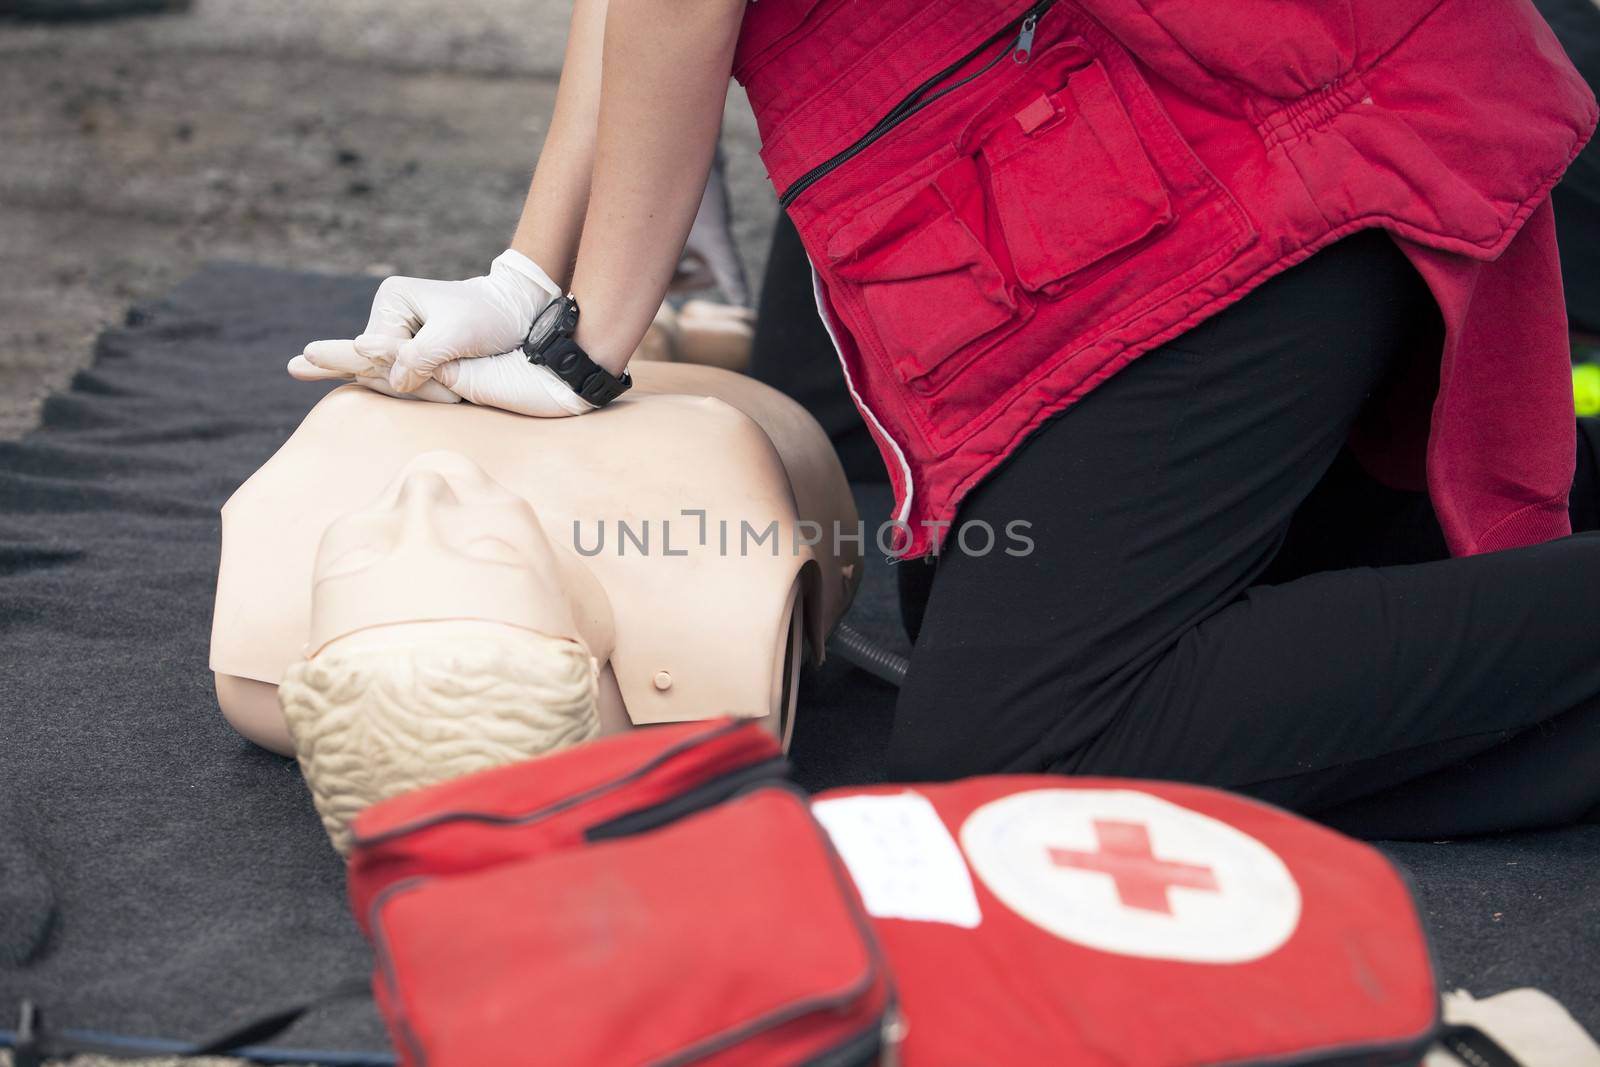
<point>161,877</point>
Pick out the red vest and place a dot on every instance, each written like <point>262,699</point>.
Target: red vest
<point>1006,204</point>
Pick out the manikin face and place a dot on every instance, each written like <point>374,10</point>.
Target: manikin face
<point>444,541</point>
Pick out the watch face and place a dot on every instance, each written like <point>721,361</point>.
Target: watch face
<point>544,327</point>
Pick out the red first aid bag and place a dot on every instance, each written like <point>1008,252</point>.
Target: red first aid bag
<point>665,897</point>
<point>522,809</point>
<point>1097,922</point>
<point>729,937</point>
<point>660,897</point>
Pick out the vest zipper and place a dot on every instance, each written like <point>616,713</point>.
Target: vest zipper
<point>1020,48</point>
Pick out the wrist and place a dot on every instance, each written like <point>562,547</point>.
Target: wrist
<point>553,343</point>
<point>529,278</point>
<point>561,394</point>
<point>603,345</point>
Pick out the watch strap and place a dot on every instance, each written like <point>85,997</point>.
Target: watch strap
<point>569,362</point>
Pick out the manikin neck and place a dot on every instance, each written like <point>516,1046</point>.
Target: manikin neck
<point>591,607</point>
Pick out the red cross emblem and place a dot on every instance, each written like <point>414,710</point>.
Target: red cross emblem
<point>1142,880</point>
<point>1122,870</point>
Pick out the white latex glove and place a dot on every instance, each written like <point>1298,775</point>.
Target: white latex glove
<point>418,324</point>
<point>327,361</point>
<point>506,380</point>
<point>509,382</point>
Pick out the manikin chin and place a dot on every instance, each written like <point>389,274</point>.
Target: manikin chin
<point>400,598</point>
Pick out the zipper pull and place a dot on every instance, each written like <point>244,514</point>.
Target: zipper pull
<point>891,1035</point>
<point>1024,46</point>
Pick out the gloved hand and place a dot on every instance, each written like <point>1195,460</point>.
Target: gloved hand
<point>447,341</point>
<point>418,324</point>
<point>509,382</point>
<point>327,361</point>
<point>506,380</point>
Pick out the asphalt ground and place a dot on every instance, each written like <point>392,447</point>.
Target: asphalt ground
<point>351,136</point>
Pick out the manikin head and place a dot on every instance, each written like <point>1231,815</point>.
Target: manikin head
<point>442,643</point>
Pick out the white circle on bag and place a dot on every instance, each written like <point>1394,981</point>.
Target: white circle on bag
<point>1130,873</point>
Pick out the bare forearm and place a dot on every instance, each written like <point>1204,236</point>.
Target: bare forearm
<point>665,78</point>
<point>552,218</point>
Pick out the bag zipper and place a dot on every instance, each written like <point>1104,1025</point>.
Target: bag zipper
<point>1020,48</point>
<point>774,765</point>
<point>707,794</point>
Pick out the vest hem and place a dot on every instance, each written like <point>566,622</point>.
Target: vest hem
<point>1530,525</point>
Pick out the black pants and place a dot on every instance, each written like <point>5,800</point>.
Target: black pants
<point>1217,594</point>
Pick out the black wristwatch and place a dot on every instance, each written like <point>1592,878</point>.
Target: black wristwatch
<point>549,344</point>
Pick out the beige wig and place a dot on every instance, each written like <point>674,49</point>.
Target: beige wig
<point>374,721</point>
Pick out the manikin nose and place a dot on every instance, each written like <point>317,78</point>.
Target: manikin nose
<point>426,487</point>
<point>421,493</point>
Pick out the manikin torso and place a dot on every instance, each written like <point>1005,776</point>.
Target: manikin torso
<point>690,530</point>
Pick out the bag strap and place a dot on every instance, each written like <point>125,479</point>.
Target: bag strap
<point>1474,1048</point>
<point>34,1042</point>
<point>270,1025</point>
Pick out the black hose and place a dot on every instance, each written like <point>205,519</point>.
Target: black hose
<point>859,650</point>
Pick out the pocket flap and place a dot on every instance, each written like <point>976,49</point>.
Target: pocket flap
<point>911,234</point>
<point>910,248</point>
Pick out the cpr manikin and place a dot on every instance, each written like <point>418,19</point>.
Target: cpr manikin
<point>445,587</point>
